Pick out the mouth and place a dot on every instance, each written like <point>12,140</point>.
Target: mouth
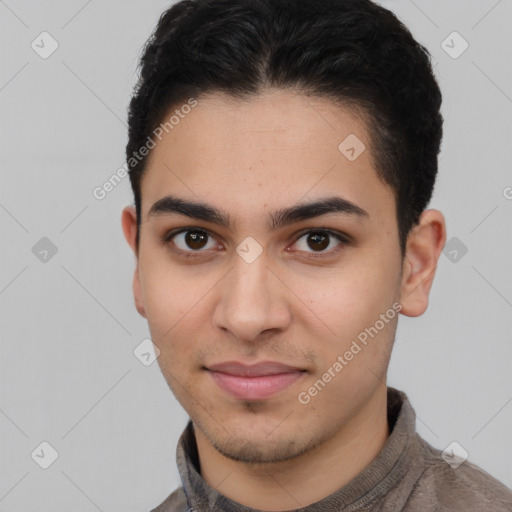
<point>254,382</point>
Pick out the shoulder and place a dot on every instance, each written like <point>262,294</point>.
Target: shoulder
<point>175,502</point>
<point>465,487</point>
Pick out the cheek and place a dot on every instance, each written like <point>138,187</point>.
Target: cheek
<point>354,354</point>
<point>350,305</point>
<point>171,298</point>
<point>349,299</point>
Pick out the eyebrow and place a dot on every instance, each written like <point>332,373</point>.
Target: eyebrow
<point>169,205</point>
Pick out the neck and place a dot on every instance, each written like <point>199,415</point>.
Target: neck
<point>281,486</point>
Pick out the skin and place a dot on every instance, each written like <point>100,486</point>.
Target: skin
<point>249,158</point>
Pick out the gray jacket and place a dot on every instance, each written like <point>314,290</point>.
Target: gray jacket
<point>408,475</point>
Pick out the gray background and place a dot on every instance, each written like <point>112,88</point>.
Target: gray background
<point>69,327</point>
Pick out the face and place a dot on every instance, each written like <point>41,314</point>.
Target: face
<point>294,290</point>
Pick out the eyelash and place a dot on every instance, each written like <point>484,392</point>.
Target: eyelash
<point>343,239</point>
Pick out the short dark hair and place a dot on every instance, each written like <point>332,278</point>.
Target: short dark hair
<point>353,52</point>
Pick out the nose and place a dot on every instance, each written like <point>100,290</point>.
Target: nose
<point>253,301</point>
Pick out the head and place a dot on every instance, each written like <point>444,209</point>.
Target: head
<point>282,154</point>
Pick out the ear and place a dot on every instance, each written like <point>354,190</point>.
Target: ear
<point>129,223</point>
<point>424,245</point>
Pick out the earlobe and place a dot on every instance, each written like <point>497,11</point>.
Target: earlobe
<point>424,246</point>
<point>129,224</point>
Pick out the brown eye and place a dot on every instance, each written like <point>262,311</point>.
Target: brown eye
<point>190,240</point>
<point>318,241</point>
<point>196,239</point>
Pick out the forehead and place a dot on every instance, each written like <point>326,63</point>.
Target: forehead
<point>270,151</point>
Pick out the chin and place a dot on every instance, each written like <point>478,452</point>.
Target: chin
<point>262,452</point>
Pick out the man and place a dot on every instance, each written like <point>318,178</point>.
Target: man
<point>282,154</point>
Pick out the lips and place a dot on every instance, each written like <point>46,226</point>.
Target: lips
<point>254,382</point>
<point>255,370</point>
